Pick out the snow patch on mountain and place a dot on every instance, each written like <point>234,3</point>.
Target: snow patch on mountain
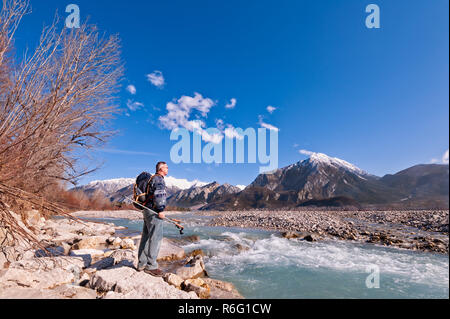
<point>182,183</point>
<point>319,158</point>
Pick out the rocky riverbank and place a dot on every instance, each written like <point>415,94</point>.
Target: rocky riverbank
<point>91,262</point>
<point>415,230</point>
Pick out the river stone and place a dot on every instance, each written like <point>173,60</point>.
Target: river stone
<point>95,242</point>
<point>173,280</point>
<point>198,286</point>
<point>290,235</point>
<point>89,255</point>
<point>125,257</point>
<point>39,279</point>
<point>194,268</point>
<point>117,241</point>
<point>127,244</point>
<point>222,289</point>
<point>131,284</point>
<point>310,237</point>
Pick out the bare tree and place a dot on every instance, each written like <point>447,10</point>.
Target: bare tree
<point>54,104</point>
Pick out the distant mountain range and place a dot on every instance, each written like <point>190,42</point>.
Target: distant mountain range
<point>181,192</point>
<point>318,181</point>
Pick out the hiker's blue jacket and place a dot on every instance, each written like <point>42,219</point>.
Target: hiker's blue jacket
<point>158,189</point>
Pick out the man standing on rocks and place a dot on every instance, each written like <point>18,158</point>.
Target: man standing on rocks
<point>152,233</point>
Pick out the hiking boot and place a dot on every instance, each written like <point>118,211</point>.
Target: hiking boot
<point>154,272</point>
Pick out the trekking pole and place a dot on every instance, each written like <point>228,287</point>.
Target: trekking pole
<point>169,220</point>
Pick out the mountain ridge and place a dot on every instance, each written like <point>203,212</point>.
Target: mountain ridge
<point>319,180</point>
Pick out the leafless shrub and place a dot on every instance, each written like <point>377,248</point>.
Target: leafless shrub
<point>53,106</point>
<point>56,105</point>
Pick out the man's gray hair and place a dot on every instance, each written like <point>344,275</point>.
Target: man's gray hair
<point>159,165</point>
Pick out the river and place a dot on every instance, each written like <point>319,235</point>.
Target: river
<point>261,264</point>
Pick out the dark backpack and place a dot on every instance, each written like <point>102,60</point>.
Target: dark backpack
<point>141,190</point>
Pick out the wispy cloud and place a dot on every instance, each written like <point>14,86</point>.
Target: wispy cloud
<point>131,89</point>
<point>267,126</point>
<point>232,104</point>
<point>125,152</point>
<point>306,152</point>
<point>134,106</point>
<point>157,79</point>
<point>271,109</point>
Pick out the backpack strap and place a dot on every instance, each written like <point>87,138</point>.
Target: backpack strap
<point>147,191</point>
<point>135,194</point>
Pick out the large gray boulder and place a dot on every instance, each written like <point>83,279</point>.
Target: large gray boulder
<point>127,283</point>
<point>40,279</point>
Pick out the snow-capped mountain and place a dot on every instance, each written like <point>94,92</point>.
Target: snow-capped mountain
<point>323,159</point>
<point>110,185</point>
<point>324,178</point>
<point>120,188</point>
<point>319,176</point>
<point>200,196</point>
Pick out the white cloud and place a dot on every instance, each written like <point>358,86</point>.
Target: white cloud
<point>232,104</point>
<point>443,160</point>
<point>445,157</point>
<point>131,89</point>
<point>305,152</point>
<point>271,109</point>
<point>179,112</point>
<point>231,133</point>
<point>157,79</point>
<point>215,138</point>
<point>134,106</point>
<point>267,126</point>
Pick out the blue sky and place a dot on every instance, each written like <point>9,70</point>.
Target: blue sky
<point>377,98</point>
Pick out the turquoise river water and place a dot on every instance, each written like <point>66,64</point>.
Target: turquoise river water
<point>261,264</point>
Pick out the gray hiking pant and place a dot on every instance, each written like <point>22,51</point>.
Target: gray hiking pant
<point>152,235</point>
